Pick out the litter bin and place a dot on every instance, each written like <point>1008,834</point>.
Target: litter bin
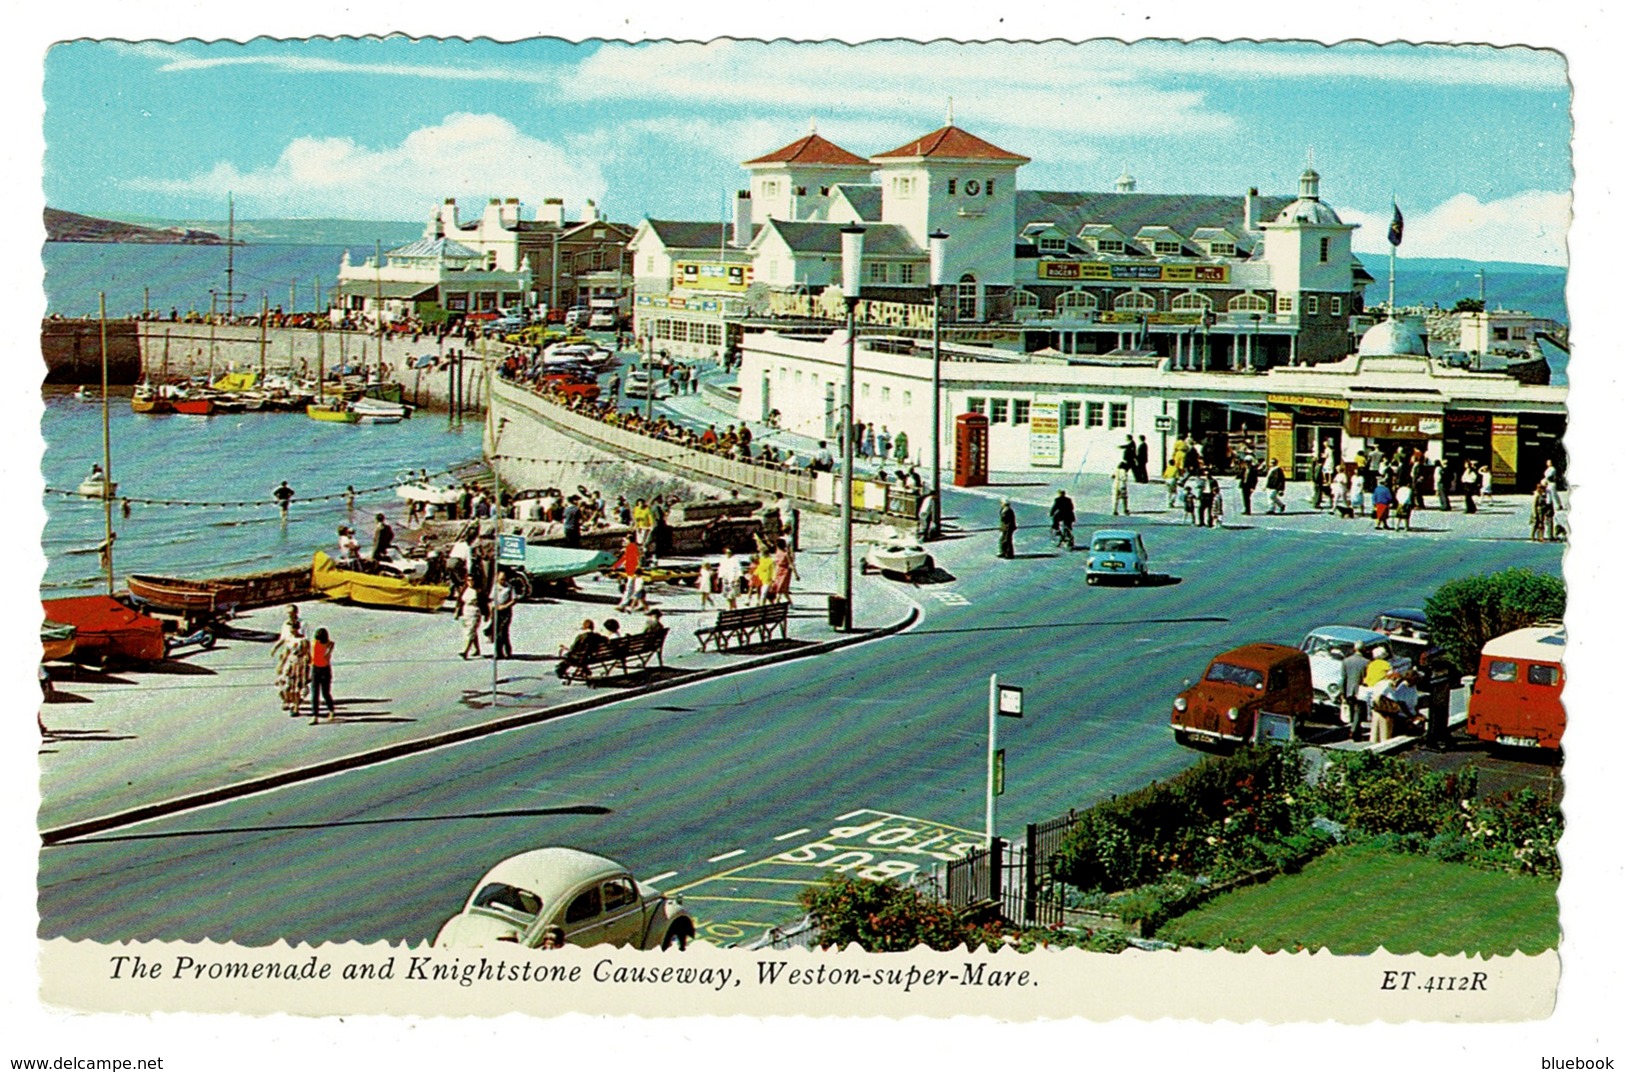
<point>840,613</point>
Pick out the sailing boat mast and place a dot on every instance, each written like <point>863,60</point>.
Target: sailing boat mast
<point>378,305</point>
<point>107,458</point>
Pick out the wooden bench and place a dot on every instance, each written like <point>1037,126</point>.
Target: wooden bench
<point>741,625</point>
<point>621,655</point>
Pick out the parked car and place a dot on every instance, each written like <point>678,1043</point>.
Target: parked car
<point>594,900</point>
<point>1517,697</point>
<point>504,325</point>
<point>896,552</point>
<point>1329,645</point>
<point>1407,631</point>
<point>639,384</point>
<point>1116,554</point>
<point>1237,687</point>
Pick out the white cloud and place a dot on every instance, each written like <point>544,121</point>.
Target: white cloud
<point>465,156</point>
<point>1530,227</point>
<point>1046,89</point>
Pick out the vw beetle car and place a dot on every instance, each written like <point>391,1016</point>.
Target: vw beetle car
<point>1239,685</point>
<point>593,899</point>
<point>1116,554</point>
<point>1329,645</point>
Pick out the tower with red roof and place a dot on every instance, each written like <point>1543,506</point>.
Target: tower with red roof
<point>795,182</point>
<point>952,180</point>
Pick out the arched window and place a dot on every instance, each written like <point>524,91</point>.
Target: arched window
<point>1025,302</point>
<point>1135,301</point>
<point>1076,303</point>
<point>1249,303</point>
<point>966,309</point>
<point>1191,302</point>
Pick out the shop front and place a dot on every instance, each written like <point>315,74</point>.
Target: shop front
<point>1396,432</point>
<point>1299,428</point>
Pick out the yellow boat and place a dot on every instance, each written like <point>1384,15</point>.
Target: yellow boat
<point>339,411</point>
<point>373,589</point>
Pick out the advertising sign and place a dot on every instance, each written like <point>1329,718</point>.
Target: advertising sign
<point>1044,424</point>
<point>1154,273</point>
<point>711,275</point>
<point>511,550</point>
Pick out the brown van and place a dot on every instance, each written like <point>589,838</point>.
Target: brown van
<point>1238,685</point>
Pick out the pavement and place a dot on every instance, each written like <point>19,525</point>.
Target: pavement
<point>206,726</point>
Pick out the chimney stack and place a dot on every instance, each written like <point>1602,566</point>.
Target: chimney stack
<point>1249,209</point>
<point>742,219</point>
<point>552,211</point>
<point>510,213</point>
<point>589,214</point>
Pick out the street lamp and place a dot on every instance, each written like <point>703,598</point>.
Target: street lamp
<point>939,243</point>
<point>851,285</point>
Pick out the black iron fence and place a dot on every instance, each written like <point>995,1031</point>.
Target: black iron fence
<point>1016,880</point>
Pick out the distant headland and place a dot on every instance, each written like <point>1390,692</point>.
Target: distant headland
<point>71,227</point>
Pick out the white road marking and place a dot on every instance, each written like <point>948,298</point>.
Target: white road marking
<point>660,877</point>
<point>952,599</point>
<point>850,814</point>
<point>794,833</point>
<point>725,856</point>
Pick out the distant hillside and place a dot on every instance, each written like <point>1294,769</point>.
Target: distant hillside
<point>359,234</point>
<point>71,227</point>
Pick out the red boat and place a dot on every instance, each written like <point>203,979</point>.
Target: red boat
<point>198,407</point>
<point>106,630</point>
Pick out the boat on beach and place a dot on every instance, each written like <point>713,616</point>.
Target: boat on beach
<point>373,589</point>
<point>190,597</point>
<point>106,630</point>
<point>57,640</point>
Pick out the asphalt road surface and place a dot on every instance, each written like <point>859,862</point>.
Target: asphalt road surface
<point>740,790</point>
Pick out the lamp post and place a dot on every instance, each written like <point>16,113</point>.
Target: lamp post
<point>1252,351</point>
<point>939,243</point>
<point>851,285</point>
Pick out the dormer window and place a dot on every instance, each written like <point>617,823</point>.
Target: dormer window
<point>1164,248</point>
<point>1109,245</point>
<point>1223,249</point>
<point>1051,245</point>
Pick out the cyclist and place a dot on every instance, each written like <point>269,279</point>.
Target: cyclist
<point>1061,517</point>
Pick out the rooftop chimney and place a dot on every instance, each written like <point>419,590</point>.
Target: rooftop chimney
<point>1249,209</point>
<point>742,219</point>
<point>589,214</point>
<point>552,211</point>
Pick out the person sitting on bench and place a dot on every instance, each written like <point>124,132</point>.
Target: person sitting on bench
<point>585,643</point>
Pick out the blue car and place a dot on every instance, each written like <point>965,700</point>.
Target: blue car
<point>1116,554</point>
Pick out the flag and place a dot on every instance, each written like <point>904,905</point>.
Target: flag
<point>1396,229</point>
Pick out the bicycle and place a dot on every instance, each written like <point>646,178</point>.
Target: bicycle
<point>1061,534</point>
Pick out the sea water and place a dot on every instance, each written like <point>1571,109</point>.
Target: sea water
<point>180,459</point>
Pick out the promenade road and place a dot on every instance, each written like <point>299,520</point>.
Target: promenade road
<point>739,790</point>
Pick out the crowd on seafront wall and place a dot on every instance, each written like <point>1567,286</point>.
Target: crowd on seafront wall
<point>666,444</point>
<point>424,364</point>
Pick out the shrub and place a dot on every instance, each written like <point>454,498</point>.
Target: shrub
<point>883,917</point>
<point>1468,612</point>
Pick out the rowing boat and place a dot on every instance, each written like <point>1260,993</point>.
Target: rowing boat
<point>56,640</point>
<point>337,412</point>
<point>191,597</point>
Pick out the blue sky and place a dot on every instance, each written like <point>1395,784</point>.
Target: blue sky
<point>1474,141</point>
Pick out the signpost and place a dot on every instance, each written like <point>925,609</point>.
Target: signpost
<point>510,550</point>
<point>1002,700</point>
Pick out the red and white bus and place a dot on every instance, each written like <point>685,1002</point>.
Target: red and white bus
<point>1517,697</point>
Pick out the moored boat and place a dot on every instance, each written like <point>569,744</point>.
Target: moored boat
<point>98,487</point>
<point>197,406</point>
<point>147,399</point>
<point>373,589</point>
<point>331,411</point>
<point>107,630</point>
<point>366,406</point>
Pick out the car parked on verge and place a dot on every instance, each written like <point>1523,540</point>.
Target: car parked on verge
<point>594,900</point>
<point>1407,630</point>
<point>1116,554</point>
<point>1329,645</point>
<point>1237,687</point>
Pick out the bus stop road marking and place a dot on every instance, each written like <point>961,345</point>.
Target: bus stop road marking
<point>724,856</point>
<point>794,833</point>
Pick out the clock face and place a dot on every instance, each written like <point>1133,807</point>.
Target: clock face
<point>973,187</point>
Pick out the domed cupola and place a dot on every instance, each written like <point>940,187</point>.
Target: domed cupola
<point>1402,337</point>
<point>1309,208</point>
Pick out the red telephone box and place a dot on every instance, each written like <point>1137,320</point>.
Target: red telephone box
<point>970,450</point>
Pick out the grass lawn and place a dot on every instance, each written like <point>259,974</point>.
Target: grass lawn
<point>1354,899</point>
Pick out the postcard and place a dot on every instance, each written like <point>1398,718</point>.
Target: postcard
<point>627,525</point>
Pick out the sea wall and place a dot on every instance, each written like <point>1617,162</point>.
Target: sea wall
<point>140,349</point>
